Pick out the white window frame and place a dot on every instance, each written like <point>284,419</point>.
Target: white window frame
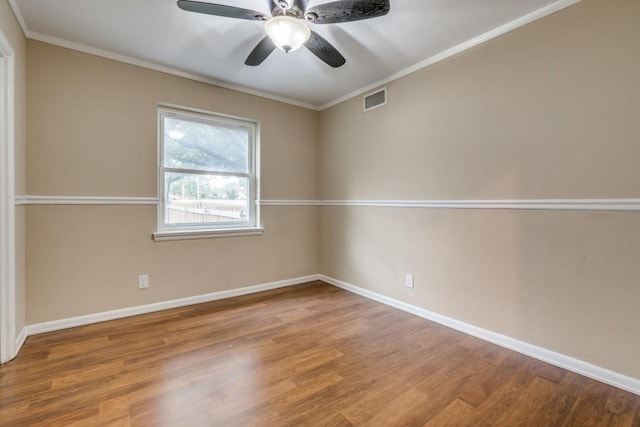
<point>209,230</point>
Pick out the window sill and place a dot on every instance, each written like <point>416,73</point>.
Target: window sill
<point>161,236</point>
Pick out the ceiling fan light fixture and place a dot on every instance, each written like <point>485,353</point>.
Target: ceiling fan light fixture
<point>287,32</point>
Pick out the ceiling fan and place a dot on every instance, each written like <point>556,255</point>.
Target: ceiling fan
<point>286,28</point>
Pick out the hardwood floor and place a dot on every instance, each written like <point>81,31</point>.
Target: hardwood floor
<point>310,355</point>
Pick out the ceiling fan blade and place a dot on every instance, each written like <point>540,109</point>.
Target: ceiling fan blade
<point>324,50</point>
<point>260,52</point>
<point>347,11</point>
<point>221,10</point>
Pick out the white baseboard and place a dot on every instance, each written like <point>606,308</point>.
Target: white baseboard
<point>20,339</point>
<point>56,325</point>
<point>606,376</point>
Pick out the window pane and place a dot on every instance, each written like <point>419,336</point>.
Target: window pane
<point>205,146</point>
<point>199,199</point>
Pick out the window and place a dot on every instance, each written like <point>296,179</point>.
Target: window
<point>207,175</point>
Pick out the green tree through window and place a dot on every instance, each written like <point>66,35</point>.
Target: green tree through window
<point>207,171</point>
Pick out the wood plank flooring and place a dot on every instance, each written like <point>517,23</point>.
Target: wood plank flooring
<point>310,355</point>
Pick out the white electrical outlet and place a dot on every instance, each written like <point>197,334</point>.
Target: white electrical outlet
<point>408,281</point>
<point>143,281</point>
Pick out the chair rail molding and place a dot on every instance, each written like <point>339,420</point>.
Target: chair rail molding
<point>539,204</point>
<point>627,204</point>
<point>85,200</point>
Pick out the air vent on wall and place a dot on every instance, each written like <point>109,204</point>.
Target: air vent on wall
<point>375,99</point>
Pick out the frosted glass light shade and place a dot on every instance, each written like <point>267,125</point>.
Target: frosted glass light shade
<point>287,33</point>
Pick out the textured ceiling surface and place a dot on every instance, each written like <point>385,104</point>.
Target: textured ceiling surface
<point>215,48</point>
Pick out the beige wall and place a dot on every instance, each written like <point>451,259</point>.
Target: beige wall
<point>86,259</point>
<point>547,111</point>
<point>11,29</point>
<point>92,132</point>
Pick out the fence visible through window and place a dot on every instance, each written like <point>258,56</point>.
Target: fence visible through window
<point>207,171</point>
<point>218,211</point>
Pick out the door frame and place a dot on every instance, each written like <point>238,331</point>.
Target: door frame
<point>7,202</point>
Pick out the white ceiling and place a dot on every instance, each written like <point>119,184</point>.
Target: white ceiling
<point>157,33</point>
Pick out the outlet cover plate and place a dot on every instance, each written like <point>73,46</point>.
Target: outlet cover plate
<point>408,281</point>
<point>143,281</point>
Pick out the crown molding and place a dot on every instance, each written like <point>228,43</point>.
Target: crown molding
<point>163,69</point>
<point>503,29</point>
<point>18,14</point>
<point>510,26</point>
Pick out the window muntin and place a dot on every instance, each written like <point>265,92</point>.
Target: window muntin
<point>207,171</point>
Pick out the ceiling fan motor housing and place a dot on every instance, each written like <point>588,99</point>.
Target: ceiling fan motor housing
<point>284,29</point>
<point>293,8</point>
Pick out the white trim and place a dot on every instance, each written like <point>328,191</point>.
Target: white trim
<point>566,362</point>
<point>84,200</point>
<point>544,204</point>
<point>18,14</point>
<point>7,207</point>
<point>20,340</point>
<point>503,29</point>
<point>164,69</point>
<point>72,322</point>
<point>164,236</point>
<point>195,231</point>
<point>606,376</point>
<point>290,202</point>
